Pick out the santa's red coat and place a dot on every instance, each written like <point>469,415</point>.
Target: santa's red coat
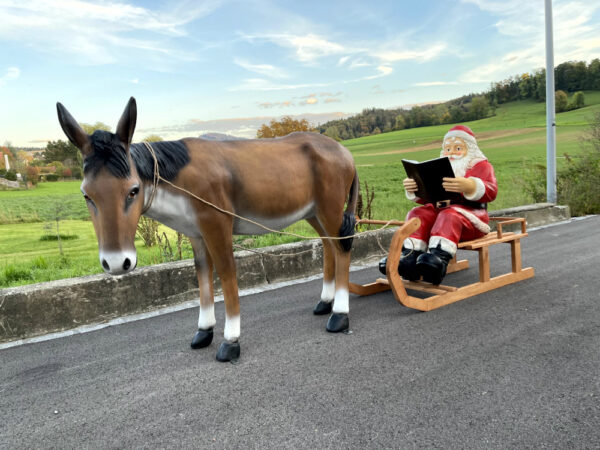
<point>459,221</point>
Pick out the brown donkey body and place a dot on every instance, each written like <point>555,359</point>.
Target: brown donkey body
<point>275,182</point>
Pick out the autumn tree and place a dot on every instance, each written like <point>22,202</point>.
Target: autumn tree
<point>152,138</point>
<point>282,127</point>
<point>89,128</point>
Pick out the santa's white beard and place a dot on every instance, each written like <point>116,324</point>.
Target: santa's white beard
<point>460,166</point>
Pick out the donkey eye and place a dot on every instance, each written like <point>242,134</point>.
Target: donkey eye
<point>134,192</point>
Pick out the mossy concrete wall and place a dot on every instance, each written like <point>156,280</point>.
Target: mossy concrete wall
<point>42,308</point>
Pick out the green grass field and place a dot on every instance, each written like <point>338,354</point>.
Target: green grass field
<point>513,140</point>
<point>41,203</point>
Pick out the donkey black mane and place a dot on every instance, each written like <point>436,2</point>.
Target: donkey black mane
<point>109,151</point>
<point>172,156</point>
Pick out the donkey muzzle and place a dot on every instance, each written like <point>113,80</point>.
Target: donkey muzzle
<point>118,263</point>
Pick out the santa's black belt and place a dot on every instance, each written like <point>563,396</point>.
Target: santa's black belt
<point>470,204</point>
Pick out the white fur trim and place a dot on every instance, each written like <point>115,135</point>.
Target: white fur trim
<point>445,244</point>
<point>410,195</point>
<point>415,244</point>
<point>476,221</point>
<point>479,190</point>
<point>460,134</point>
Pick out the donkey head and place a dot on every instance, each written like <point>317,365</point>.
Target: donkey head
<point>111,187</point>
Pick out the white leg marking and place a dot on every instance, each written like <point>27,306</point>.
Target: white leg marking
<point>232,328</point>
<point>206,319</point>
<point>328,291</point>
<point>341,304</point>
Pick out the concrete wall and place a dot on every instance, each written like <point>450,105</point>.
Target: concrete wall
<point>11,184</point>
<point>60,305</point>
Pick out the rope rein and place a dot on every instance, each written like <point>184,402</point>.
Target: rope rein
<point>158,178</point>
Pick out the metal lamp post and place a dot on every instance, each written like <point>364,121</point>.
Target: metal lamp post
<point>550,110</point>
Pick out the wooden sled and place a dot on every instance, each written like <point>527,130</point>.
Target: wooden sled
<point>443,295</point>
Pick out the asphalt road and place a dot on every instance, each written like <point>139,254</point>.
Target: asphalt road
<point>518,367</point>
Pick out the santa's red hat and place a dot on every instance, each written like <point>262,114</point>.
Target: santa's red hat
<point>462,132</point>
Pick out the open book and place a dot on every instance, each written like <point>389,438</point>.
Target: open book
<point>428,175</point>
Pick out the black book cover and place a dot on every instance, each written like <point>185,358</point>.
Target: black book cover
<point>429,175</point>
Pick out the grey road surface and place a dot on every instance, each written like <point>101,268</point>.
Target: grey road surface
<point>518,367</point>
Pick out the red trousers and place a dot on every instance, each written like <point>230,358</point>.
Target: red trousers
<point>444,222</point>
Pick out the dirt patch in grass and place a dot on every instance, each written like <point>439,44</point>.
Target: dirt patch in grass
<point>483,136</point>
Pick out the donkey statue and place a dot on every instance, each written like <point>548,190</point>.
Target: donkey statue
<point>274,182</point>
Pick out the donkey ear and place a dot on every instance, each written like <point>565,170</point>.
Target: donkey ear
<point>74,132</point>
<point>126,125</point>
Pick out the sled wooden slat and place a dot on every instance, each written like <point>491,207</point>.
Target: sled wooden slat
<point>443,295</point>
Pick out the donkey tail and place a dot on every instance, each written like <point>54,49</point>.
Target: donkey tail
<point>349,218</point>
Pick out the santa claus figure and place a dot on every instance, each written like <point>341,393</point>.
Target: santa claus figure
<point>427,252</point>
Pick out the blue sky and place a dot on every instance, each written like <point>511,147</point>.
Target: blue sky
<point>229,66</point>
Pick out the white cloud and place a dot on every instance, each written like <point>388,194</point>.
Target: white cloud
<point>435,83</point>
<point>359,62</point>
<point>262,69</point>
<point>390,55</point>
<point>343,60</point>
<point>575,36</point>
<point>260,84</point>
<point>12,73</point>
<point>384,71</point>
<point>306,48</point>
<point>96,33</point>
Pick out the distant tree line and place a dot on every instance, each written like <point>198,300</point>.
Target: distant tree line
<point>570,76</point>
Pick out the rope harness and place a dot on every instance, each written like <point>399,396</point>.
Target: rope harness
<point>157,178</point>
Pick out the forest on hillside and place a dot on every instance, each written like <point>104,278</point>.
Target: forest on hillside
<point>571,76</point>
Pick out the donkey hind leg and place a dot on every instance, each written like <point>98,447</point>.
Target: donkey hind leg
<point>328,292</point>
<point>338,320</point>
<point>206,318</point>
<point>220,247</point>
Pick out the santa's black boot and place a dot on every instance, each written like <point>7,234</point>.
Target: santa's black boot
<point>407,268</point>
<point>433,265</point>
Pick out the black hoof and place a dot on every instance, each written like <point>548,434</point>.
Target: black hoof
<point>338,322</point>
<point>228,351</point>
<point>202,338</point>
<point>322,308</point>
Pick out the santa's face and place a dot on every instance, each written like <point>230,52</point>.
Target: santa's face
<point>454,148</point>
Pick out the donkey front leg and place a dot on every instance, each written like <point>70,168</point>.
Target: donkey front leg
<point>328,291</point>
<point>206,317</point>
<point>220,246</point>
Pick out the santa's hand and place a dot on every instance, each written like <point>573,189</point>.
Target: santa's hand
<point>460,184</point>
<point>410,185</point>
